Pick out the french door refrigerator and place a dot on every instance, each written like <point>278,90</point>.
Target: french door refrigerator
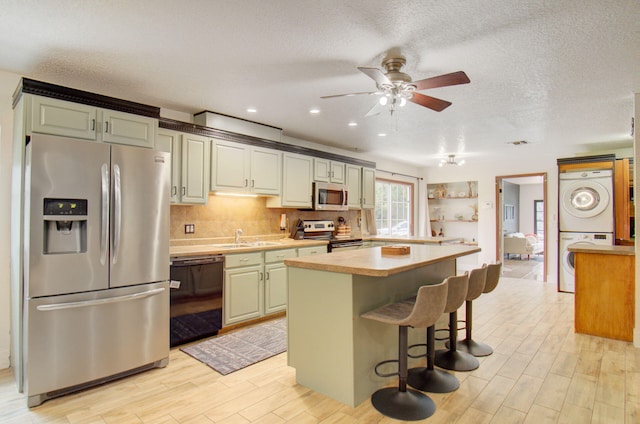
<point>96,264</point>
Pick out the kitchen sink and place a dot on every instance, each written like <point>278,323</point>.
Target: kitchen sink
<point>238,245</point>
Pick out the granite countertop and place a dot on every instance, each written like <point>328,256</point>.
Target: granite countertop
<point>414,239</point>
<point>602,249</point>
<point>210,249</point>
<point>371,262</point>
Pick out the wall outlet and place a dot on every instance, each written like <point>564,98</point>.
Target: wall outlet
<point>189,228</point>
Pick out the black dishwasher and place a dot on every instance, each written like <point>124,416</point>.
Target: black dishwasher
<point>195,298</point>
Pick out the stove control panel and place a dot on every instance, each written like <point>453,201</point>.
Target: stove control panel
<point>317,226</point>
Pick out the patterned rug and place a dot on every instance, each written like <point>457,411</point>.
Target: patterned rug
<point>237,350</point>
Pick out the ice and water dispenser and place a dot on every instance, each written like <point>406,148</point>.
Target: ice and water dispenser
<point>65,226</point>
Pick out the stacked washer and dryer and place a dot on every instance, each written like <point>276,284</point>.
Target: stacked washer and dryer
<point>586,216</point>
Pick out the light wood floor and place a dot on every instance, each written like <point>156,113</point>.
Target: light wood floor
<point>541,372</point>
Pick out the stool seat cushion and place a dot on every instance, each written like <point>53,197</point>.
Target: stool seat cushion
<point>477,279</point>
<point>493,276</point>
<point>457,292</point>
<point>424,312</point>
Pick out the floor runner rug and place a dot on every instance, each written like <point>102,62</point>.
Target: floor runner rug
<point>230,352</point>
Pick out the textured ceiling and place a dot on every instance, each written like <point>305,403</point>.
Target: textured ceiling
<point>559,74</point>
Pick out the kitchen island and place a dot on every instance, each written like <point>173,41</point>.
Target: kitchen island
<point>333,350</point>
<point>605,290</point>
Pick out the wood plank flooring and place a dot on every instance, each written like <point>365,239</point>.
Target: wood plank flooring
<point>540,372</point>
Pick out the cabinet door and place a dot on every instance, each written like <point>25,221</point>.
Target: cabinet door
<point>338,172</point>
<point>266,165</point>
<point>229,167</point>
<point>58,117</point>
<point>170,140</point>
<point>354,185</point>
<point>321,170</point>
<point>242,293</point>
<point>275,287</point>
<point>196,153</point>
<point>296,180</point>
<point>368,188</point>
<point>312,250</point>
<point>126,128</point>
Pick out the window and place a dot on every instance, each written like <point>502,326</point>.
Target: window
<point>538,213</point>
<point>394,203</point>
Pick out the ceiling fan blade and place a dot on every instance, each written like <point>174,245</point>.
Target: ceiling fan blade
<point>431,102</point>
<point>375,110</point>
<point>376,74</point>
<point>349,94</point>
<point>453,78</point>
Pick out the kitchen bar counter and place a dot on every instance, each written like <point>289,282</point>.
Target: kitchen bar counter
<point>333,350</point>
<point>217,248</point>
<point>605,290</point>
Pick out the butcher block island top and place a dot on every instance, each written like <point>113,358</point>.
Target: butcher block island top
<point>372,262</point>
<point>333,349</point>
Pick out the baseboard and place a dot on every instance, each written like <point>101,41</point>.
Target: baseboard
<point>4,359</point>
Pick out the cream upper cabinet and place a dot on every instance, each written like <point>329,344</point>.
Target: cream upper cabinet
<point>59,117</point>
<point>125,128</point>
<point>190,167</point>
<point>328,171</point>
<point>368,188</point>
<point>297,179</point>
<point>68,119</point>
<point>239,167</point>
<point>354,185</point>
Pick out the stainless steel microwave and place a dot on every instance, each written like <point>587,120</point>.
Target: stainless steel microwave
<point>329,197</point>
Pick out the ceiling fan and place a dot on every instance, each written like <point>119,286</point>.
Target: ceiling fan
<point>395,87</point>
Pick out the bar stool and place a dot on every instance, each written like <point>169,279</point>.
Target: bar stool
<point>468,344</point>
<point>429,379</point>
<point>477,280</point>
<point>399,402</point>
<point>453,359</point>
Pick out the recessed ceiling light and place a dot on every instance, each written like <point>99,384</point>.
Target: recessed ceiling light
<point>314,111</point>
<point>252,110</point>
<point>382,135</point>
<point>353,124</point>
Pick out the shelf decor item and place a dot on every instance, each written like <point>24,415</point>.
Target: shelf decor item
<point>474,206</point>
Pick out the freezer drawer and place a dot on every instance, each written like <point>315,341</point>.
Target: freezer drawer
<point>76,339</point>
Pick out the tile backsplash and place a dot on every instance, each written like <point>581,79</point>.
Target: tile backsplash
<point>224,214</point>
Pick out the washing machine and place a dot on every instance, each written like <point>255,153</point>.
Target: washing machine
<point>566,271</point>
<point>586,201</point>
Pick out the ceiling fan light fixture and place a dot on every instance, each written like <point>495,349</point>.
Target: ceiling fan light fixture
<point>383,100</point>
<point>451,160</point>
<point>403,101</point>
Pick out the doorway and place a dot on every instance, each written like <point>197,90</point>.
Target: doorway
<point>521,203</point>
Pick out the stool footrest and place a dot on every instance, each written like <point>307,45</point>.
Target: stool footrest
<point>423,355</point>
<point>389,361</point>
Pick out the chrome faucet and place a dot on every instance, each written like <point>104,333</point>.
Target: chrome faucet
<point>238,234</point>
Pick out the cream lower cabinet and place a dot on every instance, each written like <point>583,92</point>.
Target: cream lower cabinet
<point>255,284</point>
<point>311,250</point>
<point>69,119</point>
<point>243,287</point>
<point>275,279</point>
<point>190,167</point>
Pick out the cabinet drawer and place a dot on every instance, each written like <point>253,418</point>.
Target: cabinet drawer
<point>279,255</point>
<point>243,259</point>
<point>314,250</point>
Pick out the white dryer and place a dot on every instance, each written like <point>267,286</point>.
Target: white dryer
<point>566,270</point>
<point>586,201</point>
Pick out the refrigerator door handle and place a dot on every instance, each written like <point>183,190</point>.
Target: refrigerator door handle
<point>98,302</point>
<point>117,209</point>
<point>104,225</point>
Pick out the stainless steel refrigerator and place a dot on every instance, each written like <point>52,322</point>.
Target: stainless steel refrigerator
<point>96,264</point>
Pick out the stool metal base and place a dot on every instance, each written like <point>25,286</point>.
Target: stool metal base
<point>434,381</point>
<point>473,347</point>
<point>456,360</point>
<point>406,406</point>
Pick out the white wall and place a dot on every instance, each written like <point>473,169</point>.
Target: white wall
<point>528,193</point>
<point>8,83</point>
